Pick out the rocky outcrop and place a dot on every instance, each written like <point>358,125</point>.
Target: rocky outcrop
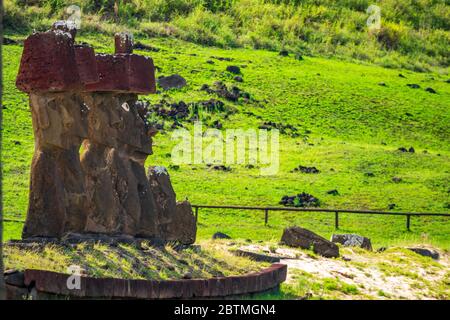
<point>305,239</point>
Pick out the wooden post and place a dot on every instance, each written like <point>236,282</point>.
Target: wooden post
<point>266,216</point>
<point>336,220</point>
<point>408,222</point>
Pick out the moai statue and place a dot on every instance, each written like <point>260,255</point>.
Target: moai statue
<point>86,101</point>
<point>49,73</point>
<point>118,145</point>
<point>176,221</point>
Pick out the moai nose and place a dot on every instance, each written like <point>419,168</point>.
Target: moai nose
<point>123,43</point>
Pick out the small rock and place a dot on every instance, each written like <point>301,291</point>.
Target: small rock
<point>187,275</point>
<point>140,46</point>
<point>411,149</point>
<point>222,168</point>
<point>216,124</point>
<point>382,84</point>
<point>305,169</point>
<point>369,174</point>
<point>171,82</point>
<point>333,192</point>
<point>430,90</point>
<point>220,235</point>
<point>352,240</point>
<point>413,85</point>
<point>346,258</point>
<point>284,53</point>
<point>402,149</point>
<point>238,79</point>
<point>396,179</point>
<point>300,200</point>
<point>222,58</point>
<point>234,69</point>
<point>210,62</point>
<point>426,252</point>
<point>9,41</point>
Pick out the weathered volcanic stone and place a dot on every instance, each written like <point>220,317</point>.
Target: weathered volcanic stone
<point>305,239</point>
<point>352,240</point>
<point>86,63</point>
<point>123,42</point>
<point>57,194</point>
<point>77,98</point>
<point>176,220</point>
<point>114,164</point>
<point>426,252</point>
<point>124,73</point>
<point>174,81</point>
<point>184,227</point>
<point>48,63</point>
<point>164,196</point>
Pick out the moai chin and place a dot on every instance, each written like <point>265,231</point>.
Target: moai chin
<point>80,99</point>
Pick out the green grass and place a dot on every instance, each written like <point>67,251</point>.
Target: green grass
<point>413,34</point>
<point>354,126</point>
<point>131,262</point>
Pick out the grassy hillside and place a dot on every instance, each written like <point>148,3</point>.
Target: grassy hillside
<point>414,34</point>
<point>349,126</point>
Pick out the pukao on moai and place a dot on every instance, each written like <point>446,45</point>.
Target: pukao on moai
<point>88,100</point>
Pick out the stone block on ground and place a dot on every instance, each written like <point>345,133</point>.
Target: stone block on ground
<point>426,252</point>
<point>306,239</point>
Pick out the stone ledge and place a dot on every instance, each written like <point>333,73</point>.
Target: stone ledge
<point>99,288</point>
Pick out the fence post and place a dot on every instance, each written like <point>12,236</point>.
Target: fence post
<point>408,222</point>
<point>266,216</point>
<point>196,215</point>
<point>336,220</point>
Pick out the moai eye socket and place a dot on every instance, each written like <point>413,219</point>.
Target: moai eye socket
<point>125,107</point>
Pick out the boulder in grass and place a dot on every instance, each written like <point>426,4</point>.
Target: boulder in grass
<point>174,81</point>
<point>306,239</point>
<point>234,69</point>
<point>352,240</point>
<point>220,235</point>
<point>426,252</point>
